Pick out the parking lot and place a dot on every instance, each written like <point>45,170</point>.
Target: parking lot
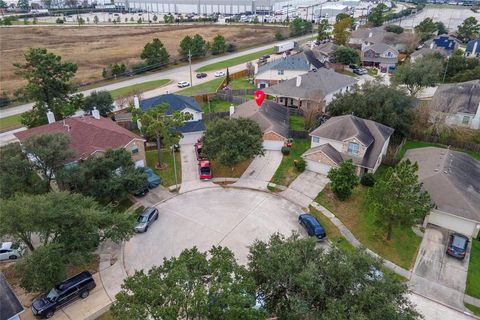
<point>215,216</point>
<point>437,274</point>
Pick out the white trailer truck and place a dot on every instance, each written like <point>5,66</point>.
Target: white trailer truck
<point>283,47</point>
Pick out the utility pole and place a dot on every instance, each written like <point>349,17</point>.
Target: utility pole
<point>190,65</point>
<point>175,168</point>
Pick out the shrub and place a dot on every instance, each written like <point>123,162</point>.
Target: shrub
<point>279,36</point>
<point>59,21</point>
<point>394,28</point>
<point>285,151</point>
<point>300,165</point>
<point>367,180</point>
<point>4,99</point>
<point>231,47</point>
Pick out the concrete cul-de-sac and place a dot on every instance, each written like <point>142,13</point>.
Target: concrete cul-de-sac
<point>234,218</point>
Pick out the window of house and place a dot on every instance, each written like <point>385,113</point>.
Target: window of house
<point>134,149</point>
<point>316,139</point>
<point>466,119</point>
<point>281,72</point>
<point>352,148</point>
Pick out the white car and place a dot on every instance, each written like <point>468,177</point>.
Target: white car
<point>11,251</point>
<point>183,84</point>
<point>219,74</point>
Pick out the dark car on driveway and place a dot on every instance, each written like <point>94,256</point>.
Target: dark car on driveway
<point>145,219</point>
<point>78,286</point>
<point>457,245</point>
<point>201,75</point>
<point>313,227</point>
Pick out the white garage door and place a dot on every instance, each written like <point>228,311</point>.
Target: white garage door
<point>272,145</point>
<point>454,223</point>
<point>318,167</point>
<point>191,138</point>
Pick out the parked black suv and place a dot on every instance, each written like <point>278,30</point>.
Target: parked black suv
<point>62,294</point>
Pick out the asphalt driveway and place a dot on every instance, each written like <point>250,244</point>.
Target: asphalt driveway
<point>213,216</point>
<point>437,275</point>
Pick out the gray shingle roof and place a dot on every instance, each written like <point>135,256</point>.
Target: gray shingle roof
<point>461,97</point>
<point>328,150</point>
<point>451,178</point>
<point>314,85</point>
<point>380,48</point>
<point>270,117</point>
<point>293,62</point>
<point>370,133</point>
<point>326,49</point>
<point>424,51</point>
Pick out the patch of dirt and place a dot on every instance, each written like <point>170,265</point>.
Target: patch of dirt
<point>94,48</point>
<point>13,277</point>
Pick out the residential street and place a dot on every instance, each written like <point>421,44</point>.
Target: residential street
<point>174,74</point>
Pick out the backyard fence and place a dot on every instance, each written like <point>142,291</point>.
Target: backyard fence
<point>215,115</point>
<point>231,98</point>
<point>298,134</point>
<point>464,145</point>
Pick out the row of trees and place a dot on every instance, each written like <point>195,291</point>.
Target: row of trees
<point>286,278</point>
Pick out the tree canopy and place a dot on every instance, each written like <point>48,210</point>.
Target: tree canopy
<point>376,16</point>
<point>194,285</point>
<point>377,102</point>
<point>155,53</point>
<point>346,55</point>
<point>341,35</point>
<point>426,28</point>
<point>343,179</point>
<point>108,178</point>
<point>407,202</point>
<point>424,72</point>
<point>102,100</point>
<point>299,26</point>
<point>231,141</point>
<point>469,29</point>
<point>299,281</point>
<point>322,30</point>
<point>197,46</point>
<point>48,85</point>
<point>218,45</point>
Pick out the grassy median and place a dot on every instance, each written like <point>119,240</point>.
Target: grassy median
<point>234,61</point>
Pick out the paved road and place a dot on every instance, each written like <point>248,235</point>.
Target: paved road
<point>176,74</point>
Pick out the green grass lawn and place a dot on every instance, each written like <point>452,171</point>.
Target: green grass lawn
<point>241,83</point>
<point>333,234</point>
<point>353,212</point>
<point>234,61</point>
<point>139,88</point>
<point>286,172</point>
<point>473,278</point>
<point>411,144</point>
<point>372,72</point>
<point>474,309</point>
<point>217,105</point>
<point>166,174</point>
<point>10,123</point>
<point>203,88</point>
<point>297,122</point>
<point>227,172</point>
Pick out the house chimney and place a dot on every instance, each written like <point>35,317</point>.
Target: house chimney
<point>232,110</point>
<point>96,113</point>
<point>50,116</point>
<point>299,81</point>
<point>136,102</point>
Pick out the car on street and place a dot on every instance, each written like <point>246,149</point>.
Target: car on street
<point>198,150</point>
<point>265,57</point>
<point>11,251</point>
<point>353,66</point>
<point>219,74</point>
<point>312,226</point>
<point>205,170</point>
<point>183,84</point>
<point>145,219</point>
<point>360,71</point>
<point>153,180</point>
<point>78,286</point>
<point>457,245</point>
<point>201,75</point>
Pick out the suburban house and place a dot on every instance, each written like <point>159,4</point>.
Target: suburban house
<point>92,136</point>
<point>282,69</point>
<point>445,42</point>
<point>365,142</point>
<point>473,49</point>
<point>453,181</point>
<point>458,104</point>
<point>417,54</point>
<point>326,51</point>
<point>311,88</point>
<point>380,55</point>
<point>193,128</point>
<point>364,37</point>
<point>272,119</point>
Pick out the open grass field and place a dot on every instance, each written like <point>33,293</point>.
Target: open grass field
<point>138,88</point>
<point>402,249</point>
<point>234,61</point>
<point>94,48</point>
<point>202,88</point>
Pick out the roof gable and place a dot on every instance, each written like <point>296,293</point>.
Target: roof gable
<point>298,62</point>
<point>175,103</point>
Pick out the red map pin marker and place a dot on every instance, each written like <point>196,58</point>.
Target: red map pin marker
<point>259,96</point>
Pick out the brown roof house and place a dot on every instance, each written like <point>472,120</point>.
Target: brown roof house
<point>314,87</point>
<point>458,104</point>
<point>363,37</point>
<point>453,181</point>
<point>365,142</point>
<point>380,55</point>
<point>92,135</point>
<point>272,119</point>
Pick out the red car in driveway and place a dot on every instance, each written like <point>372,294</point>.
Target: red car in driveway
<point>198,150</point>
<point>205,170</point>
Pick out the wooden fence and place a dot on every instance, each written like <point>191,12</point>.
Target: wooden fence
<point>469,146</point>
<point>215,115</point>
